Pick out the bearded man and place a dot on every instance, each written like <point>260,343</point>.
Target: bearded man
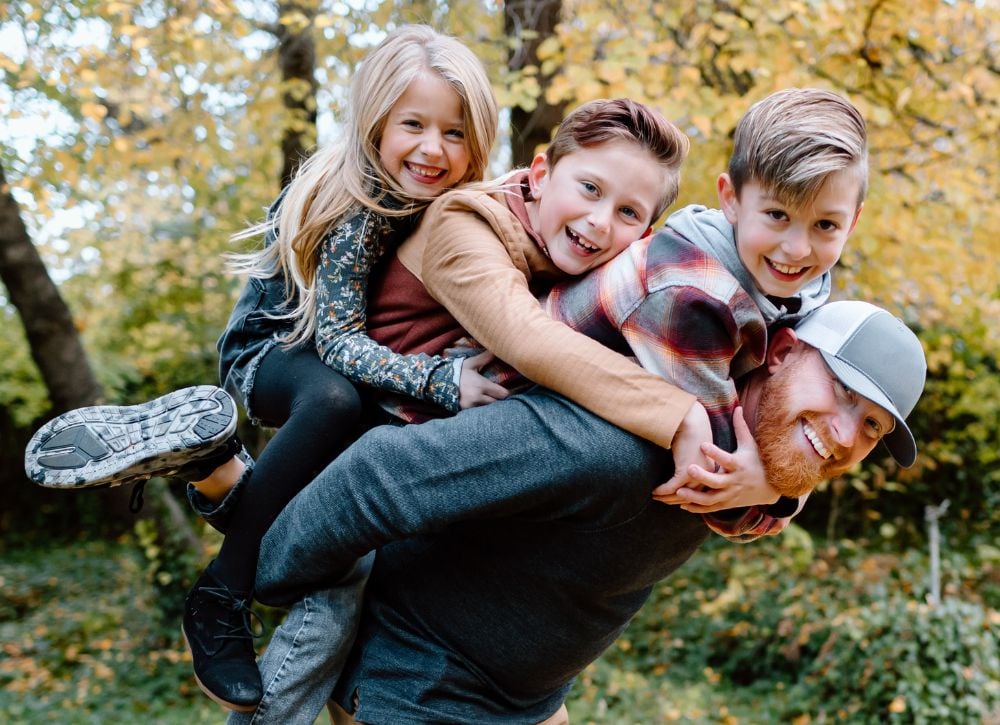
<point>516,541</point>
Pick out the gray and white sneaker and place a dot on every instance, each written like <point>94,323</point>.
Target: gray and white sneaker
<point>108,445</point>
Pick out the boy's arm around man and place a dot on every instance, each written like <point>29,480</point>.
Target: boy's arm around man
<point>480,262</point>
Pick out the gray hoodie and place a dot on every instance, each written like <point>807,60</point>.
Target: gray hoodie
<point>711,232</point>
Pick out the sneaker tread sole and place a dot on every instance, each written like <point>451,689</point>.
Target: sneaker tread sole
<point>109,445</point>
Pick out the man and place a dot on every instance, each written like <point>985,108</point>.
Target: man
<point>517,540</point>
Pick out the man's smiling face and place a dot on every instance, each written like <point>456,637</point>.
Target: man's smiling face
<point>810,427</point>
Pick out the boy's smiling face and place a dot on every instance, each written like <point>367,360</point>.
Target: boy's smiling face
<point>785,248</point>
<point>594,202</point>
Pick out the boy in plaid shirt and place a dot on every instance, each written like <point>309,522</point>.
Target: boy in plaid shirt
<point>694,301</point>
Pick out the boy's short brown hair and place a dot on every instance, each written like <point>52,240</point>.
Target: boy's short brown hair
<point>602,121</point>
<point>791,141</point>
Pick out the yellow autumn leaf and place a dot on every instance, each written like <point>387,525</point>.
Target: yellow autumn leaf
<point>94,111</point>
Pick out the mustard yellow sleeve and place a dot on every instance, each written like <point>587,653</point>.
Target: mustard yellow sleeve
<point>478,262</point>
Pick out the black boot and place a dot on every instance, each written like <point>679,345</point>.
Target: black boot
<point>218,630</point>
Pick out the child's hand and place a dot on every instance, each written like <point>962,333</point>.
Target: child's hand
<point>738,478</point>
<point>694,430</point>
<point>473,388</point>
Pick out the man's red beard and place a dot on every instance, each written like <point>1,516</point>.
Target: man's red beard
<point>790,470</point>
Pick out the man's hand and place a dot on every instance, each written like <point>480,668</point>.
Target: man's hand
<point>737,479</point>
<point>473,388</point>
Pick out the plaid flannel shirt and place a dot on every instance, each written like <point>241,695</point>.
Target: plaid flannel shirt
<point>684,316</point>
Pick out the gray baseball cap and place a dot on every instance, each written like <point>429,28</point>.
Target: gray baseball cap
<point>877,356</point>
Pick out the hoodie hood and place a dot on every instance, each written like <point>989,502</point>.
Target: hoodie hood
<point>710,231</point>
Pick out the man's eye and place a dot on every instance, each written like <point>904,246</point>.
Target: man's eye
<point>845,392</point>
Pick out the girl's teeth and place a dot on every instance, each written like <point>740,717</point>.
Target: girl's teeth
<point>425,171</point>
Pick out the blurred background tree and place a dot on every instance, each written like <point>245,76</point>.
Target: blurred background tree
<point>138,136</point>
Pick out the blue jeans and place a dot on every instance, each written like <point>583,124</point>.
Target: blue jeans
<point>301,664</point>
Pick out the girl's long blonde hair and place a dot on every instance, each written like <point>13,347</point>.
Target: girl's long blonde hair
<point>345,176</point>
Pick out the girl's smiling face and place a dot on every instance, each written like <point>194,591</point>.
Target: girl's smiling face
<point>423,143</point>
<point>594,202</point>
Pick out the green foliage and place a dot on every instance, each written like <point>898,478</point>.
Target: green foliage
<point>743,633</point>
<point>21,391</point>
<point>83,641</point>
<point>900,661</point>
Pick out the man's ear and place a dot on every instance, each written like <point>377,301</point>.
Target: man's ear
<point>728,200</point>
<point>538,175</point>
<point>783,342</point>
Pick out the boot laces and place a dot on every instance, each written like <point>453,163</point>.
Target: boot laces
<point>241,622</point>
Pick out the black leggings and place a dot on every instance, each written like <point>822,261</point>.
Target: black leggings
<point>318,413</point>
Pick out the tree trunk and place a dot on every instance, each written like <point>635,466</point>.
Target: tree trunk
<point>297,59</point>
<point>57,350</point>
<point>52,336</point>
<point>531,129</point>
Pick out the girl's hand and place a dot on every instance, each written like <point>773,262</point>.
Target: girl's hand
<point>473,388</point>
<point>738,478</point>
<point>687,445</point>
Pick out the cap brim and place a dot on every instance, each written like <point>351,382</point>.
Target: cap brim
<point>900,440</point>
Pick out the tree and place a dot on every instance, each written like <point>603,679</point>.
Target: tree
<point>528,24</point>
<point>297,59</point>
<point>53,338</point>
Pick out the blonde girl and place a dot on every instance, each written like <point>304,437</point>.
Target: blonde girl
<point>421,119</point>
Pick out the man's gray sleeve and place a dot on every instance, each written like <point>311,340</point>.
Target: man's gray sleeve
<point>534,455</point>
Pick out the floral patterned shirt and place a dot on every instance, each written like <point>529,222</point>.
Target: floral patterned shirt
<point>349,253</point>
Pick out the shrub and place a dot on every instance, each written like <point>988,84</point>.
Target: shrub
<point>901,661</point>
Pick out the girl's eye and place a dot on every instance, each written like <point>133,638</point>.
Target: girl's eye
<point>411,123</point>
<point>455,133</point>
<point>589,187</point>
<point>630,212</point>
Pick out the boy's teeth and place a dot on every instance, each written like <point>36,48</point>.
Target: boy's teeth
<point>814,438</point>
<point>574,237</point>
<point>785,269</point>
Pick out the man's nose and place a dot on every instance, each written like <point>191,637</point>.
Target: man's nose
<point>846,429</point>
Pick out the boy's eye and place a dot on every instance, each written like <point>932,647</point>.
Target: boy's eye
<point>874,427</point>
<point>589,187</point>
<point>777,215</point>
<point>826,225</point>
<point>630,212</point>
